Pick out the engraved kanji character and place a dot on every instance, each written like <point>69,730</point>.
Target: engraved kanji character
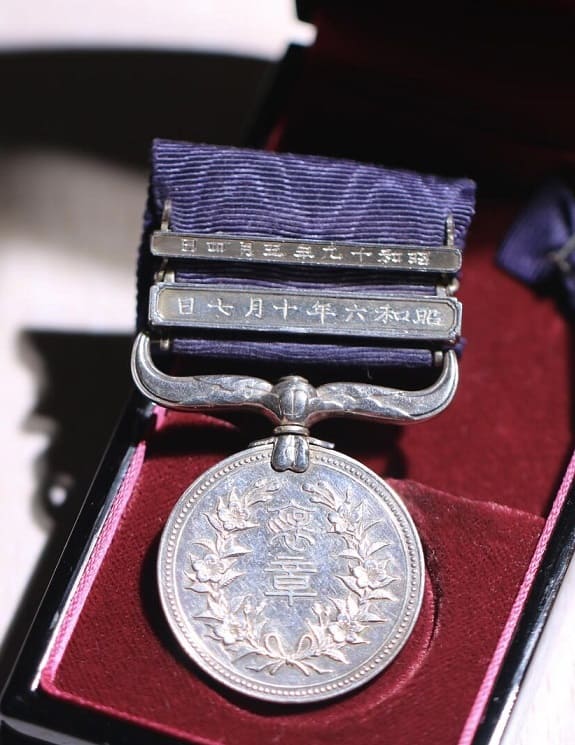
<point>427,317</point>
<point>188,245</point>
<point>256,308</point>
<point>322,310</point>
<point>292,526</point>
<point>272,251</point>
<point>186,306</point>
<point>384,314</point>
<point>417,258</point>
<point>291,578</point>
<point>357,312</point>
<point>215,247</point>
<point>361,252</point>
<point>284,307</point>
<point>333,253</point>
<point>225,310</point>
<point>247,249</point>
<point>388,256</point>
<point>304,251</point>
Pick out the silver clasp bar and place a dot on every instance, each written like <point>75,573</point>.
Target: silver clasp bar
<point>361,315</point>
<point>441,260</point>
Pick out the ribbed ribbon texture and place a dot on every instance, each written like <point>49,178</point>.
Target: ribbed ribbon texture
<point>258,193</point>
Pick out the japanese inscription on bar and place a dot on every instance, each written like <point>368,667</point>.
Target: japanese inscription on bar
<point>313,253</point>
<point>390,316</point>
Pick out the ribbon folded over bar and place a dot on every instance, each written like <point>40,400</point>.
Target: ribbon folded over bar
<point>339,205</point>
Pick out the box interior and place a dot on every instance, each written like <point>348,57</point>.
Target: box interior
<point>479,480</point>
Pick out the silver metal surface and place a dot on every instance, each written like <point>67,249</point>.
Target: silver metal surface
<point>291,587</point>
<point>440,260</point>
<point>384,317</point>
<point>292,400</point>
<point>561,257</point>
<point>450,231</point>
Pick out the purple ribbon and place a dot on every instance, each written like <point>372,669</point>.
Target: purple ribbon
<point>258,193</point>
<point>540,245</point>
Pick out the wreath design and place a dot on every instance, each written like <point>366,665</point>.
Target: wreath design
<point>238,622</point>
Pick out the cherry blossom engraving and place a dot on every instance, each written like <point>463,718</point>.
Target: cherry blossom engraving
<point>369,575</point>
<point>215,569</point>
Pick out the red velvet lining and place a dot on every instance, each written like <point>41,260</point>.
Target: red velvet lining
<point>121,658</point>
<point>507,436</point>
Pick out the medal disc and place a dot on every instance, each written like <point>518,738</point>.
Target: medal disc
<point>291,587</point>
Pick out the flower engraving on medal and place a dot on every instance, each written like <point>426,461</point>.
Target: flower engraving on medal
<point>235,621</point>
<point>215,569</point>
<point>210,569</point>
<point>240,624</point>
<point>345,517</point>
<point>369,576</point>
<point>373,574</point>
<point>346,629</point>
<point>235,513</point>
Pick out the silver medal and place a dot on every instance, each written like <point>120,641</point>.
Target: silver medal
<point>290,572</point>
<point>292,587</point>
